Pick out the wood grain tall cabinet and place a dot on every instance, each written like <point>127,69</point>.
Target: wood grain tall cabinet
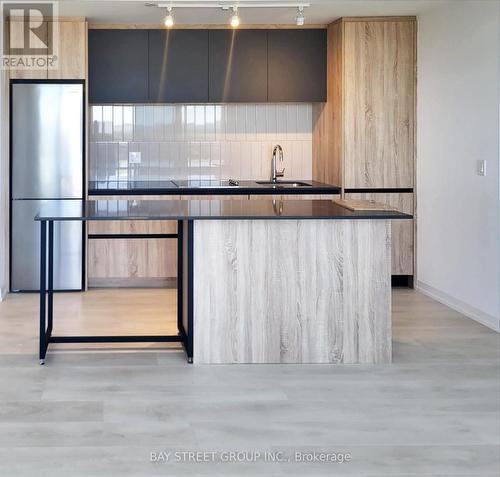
<point>71,52</point>
<point>364,134</point>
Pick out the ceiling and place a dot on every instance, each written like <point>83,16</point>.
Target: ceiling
<point>320,12</point>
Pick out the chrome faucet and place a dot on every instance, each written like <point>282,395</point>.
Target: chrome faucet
<point>274,173</point>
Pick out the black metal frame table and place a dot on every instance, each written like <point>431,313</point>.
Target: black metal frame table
<point>185,213</point>
<point>47,303</point>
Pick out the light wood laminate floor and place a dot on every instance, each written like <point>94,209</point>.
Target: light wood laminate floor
<point>101,410</point>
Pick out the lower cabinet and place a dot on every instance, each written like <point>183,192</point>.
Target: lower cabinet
<point>129,261</point>
<point>132,262</point>
<point>402,230</point>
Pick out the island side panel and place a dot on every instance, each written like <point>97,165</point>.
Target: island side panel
<point>281,291</point>
<point>367,292</point>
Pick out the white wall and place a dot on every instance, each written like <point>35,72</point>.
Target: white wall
<point>458,244</point>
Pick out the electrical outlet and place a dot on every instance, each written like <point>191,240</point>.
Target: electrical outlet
<point>134,157</point>
<point>481,168</point>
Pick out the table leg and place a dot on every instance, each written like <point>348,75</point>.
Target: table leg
<point>180,252</point>
<point>190,267</point>
<point>50,288</point>
<point>43,272</point>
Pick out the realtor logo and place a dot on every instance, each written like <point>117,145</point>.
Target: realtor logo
<point>29,41</point>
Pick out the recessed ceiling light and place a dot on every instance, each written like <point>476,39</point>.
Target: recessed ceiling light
<point>168,21</point>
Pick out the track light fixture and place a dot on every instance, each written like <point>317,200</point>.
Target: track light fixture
<point>300,19</point>
<point>168,21</point>
<point>235,19</point>
<point>230,5</point>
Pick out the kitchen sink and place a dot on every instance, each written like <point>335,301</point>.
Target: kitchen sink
<point>284,184</point>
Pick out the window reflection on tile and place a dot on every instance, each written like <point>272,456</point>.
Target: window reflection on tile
<point>123,166</point>
<point>209,122</point>
<point>220,130</point>
<point>149,123</point>
<point>199,118</point>
<point>215,161</point>
<point>128,123</point>
<point>230,122</point>
<point>102,173</point>
<point>139,123</point>
<point>180,122</point>
<point>112,161</point>
<point>210,141</point>
<point>169,122</point>
<point>107,121</point>
<point>117,125</point>
<point>96,124</point>
<point>189,122</point>
<point>241,122</point>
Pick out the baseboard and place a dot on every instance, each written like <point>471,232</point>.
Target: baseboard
<point>132,283</point>
<point>460,306</point>
<point>3,293</point>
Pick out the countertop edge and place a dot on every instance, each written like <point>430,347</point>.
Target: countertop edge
<point>218,191</point>
<point>400,216</point>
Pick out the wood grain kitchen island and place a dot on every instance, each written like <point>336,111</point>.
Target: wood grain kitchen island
<point>264,281</point>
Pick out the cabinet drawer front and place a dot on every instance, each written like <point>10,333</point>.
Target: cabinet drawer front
<point>402,230</point>
<point>132,258</point>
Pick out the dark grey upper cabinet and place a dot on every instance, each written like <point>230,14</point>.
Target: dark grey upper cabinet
<point>118,66</point>
<point>238,66</point>
<point>297,65</point>
<point>199,66</point>
<point>178,66</point>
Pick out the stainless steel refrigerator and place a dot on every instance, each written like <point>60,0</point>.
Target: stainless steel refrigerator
<point>47,164</point>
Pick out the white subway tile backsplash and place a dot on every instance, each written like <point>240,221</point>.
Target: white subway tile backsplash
<point>112,160</point>
<point>291,121</point>
<point>101,161</point>
<point>139,123</point>
<point>158,123</point>
<point>281,119</point>
<point>107,122</point>
<point>220,122</point>
<point>241,122</point>
<point>117,123</point>
<point>95,124</point>
<point>213,141</point>
<point>272,121</point>
<point>230,122</point>
<point>128,123</point>
<point>209,122</point>
<point>199,123</point>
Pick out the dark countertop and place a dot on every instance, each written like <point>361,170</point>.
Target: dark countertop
<point>204,187</point>
<point>64,210</point>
